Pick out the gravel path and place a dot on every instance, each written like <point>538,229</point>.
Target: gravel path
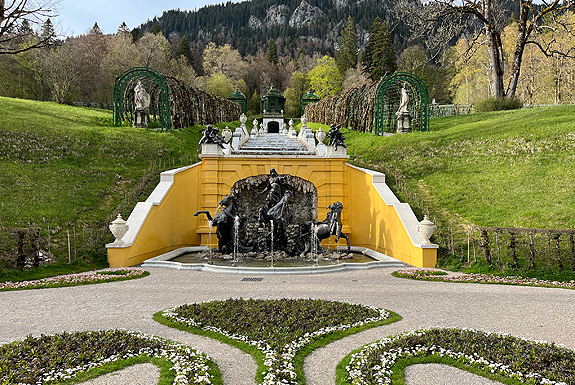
<point>536,313</point>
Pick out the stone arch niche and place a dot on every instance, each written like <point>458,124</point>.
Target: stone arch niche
<point>387,99</point>
<point>250,196</point>
<point>273,127</point>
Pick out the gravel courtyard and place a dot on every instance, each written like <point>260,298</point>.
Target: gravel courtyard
<point>536,313</point>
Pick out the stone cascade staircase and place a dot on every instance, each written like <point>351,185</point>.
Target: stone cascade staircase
<point>272,144</point>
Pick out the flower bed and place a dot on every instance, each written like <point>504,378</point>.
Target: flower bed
<point>278,328</point>
<point>109,275</point>
<point>432,275</point>
<point>526,361</point>
<point>46,359</point>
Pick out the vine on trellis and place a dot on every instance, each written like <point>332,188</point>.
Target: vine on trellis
<point>372,108</point>
<point>174,104</point>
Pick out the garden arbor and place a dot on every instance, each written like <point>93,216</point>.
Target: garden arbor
<point>173,104</point>
<point>155,84</point>
<point>387,100</point>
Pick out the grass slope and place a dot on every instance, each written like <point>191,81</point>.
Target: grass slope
<point>58,161</point>
<point>62,164</point>
<point>509,169</point>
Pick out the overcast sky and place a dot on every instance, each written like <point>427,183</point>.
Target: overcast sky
<point>78,16</point>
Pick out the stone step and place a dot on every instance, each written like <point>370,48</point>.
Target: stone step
<point>273,144</point>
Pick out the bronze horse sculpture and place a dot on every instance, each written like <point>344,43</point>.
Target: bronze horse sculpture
<point>224,224</point>
<point>331,225</point>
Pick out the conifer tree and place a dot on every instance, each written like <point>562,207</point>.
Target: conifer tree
<point>347,55</point>
<point>48,32</point>
<point>123,29</point>
<point>379,56</point>
<point>184,50</point>
<point>136,34</point>
<point>155,29</point>
<point>272,56</point>
<point>95,30</point>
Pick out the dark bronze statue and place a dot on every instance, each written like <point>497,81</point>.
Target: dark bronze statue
<point>336,138</point>
<point>210,136</point>
<point>224,224</point>
<point>331,225</point>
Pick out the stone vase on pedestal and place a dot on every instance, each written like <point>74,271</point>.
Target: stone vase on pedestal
<point>426,229</point>
<point>118,228</point>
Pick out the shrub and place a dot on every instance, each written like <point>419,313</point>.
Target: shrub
<point>498,104</point>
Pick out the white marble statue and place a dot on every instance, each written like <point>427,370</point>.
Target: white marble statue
<point>141,97</point>
<point>404,101</point>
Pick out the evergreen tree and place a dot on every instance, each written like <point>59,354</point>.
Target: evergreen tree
<point>254,104</point>
<point>347,55</point>
<point>48,32</point>
<point>25,28</point>
<point>379,57</point>
<point>272,52</point>
<point>136,34</point>
<point>155,29</point>
<point>184,50</point>
<point>95,30</point>
<point>123,29</point>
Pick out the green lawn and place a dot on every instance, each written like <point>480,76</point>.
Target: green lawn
<point>508,169</point>
<point>59,161</point>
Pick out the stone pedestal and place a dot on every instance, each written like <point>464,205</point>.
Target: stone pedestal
<point>140,118</point>
<point>403,122</point>
<point>331,152</point>
<point>212,149</point>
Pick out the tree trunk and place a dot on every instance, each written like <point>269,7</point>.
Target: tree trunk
<point>520,43</point>
<point>495,47</point>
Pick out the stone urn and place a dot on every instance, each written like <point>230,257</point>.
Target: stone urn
<point>243,119</point>
<point>227,134</point>
<point>291,122</point>
<point>119,228</point>
<point>303,120</point>
<point>426,229</point>
<point>256,123</point>
<point>320,135</point>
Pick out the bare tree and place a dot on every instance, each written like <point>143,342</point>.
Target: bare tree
<point>438,22</point>
<point>16,13</point>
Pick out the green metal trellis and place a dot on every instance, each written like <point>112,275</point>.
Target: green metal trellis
<point>387,98</point>
<point>155,84</point>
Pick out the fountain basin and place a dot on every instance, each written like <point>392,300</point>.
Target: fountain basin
<point>371,259</point>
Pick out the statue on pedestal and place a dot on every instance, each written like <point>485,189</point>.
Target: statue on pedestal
<point>142,103</point>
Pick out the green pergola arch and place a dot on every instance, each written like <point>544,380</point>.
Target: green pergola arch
<point>387,98</point>
<point>155,84</point>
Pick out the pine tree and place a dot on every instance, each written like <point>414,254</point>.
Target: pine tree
<point>123,29</point>
<point>254,104</point>
<point>155,29</point>
<point>272,56</point>
<point>48,32</point>
<point>136,34</point>
<point>184,50</point>
<point>25,28</point>
<point>379,57</point>
<point>95,30</point>
<point>347,55</point>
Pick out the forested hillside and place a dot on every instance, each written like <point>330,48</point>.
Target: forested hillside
<point>311,26</point>
<point>292,45</point>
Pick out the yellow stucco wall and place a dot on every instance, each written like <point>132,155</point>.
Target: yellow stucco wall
<point>377,224</point>
<point>368,220</point>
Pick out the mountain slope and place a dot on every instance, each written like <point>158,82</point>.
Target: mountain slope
<point>307,25</point>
